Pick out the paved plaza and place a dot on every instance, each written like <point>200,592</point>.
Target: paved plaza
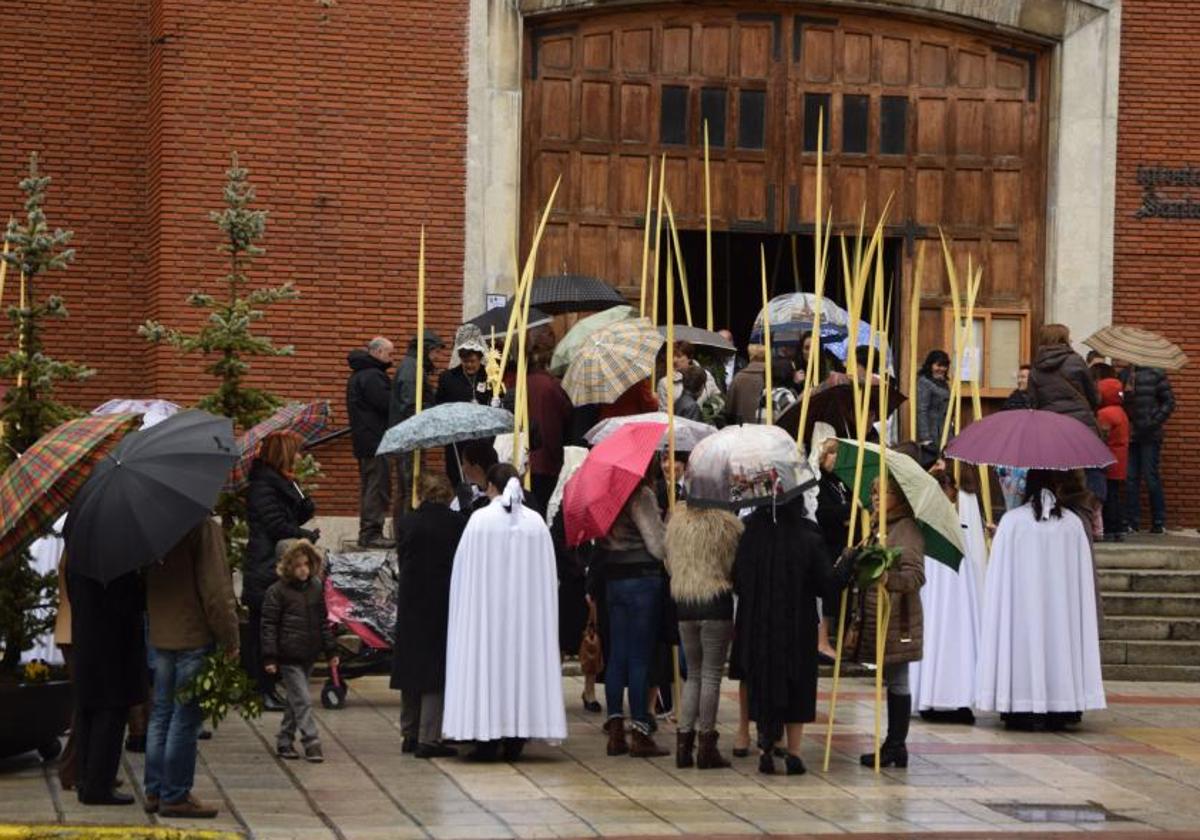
<point>1132,769</point>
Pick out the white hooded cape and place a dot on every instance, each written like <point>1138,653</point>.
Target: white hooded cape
<point>951,604</point>
<point>1040,645</point>
<point>503,678</point>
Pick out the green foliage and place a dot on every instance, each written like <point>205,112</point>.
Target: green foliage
<point>227,338</point>
<point>27,602</point>
<point>872,562</point>
<point>219,685</point>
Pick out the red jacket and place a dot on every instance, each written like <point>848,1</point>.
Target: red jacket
<point>1114,426</point>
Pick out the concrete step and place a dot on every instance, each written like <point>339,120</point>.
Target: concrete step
<point>1155,604</point>
<point>1149,580</point>
<point>1150,653</point>
<point>1152,673</point>
<point>1149,553</point>
<point>1136,628</point>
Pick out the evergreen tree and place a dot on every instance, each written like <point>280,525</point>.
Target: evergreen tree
<point>29,408</point>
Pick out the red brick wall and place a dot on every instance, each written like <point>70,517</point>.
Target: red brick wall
<point>1157,261</point>
<point>352,122</point>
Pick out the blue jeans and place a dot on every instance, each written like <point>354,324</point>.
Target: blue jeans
<point>174,726</point>
<point>1143,462</point>
<point>634,608</point>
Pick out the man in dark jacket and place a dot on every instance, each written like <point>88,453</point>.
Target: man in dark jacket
<point>1149,401</point>
<point>1060,382</point>
<point>368,396</point>
<point>403,404</point>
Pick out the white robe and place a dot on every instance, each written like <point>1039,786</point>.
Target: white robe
<point>503,678</point>
<point>1040,648</point>
<point>951,603</point>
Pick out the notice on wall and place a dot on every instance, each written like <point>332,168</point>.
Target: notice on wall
<point>496,301</point>
<point>1169,192</point>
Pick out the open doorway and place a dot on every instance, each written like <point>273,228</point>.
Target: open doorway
<point>737,290</point>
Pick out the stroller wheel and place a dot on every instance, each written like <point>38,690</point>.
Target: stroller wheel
<point>333,696</point>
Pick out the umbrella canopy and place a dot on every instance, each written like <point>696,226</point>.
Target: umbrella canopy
<point>611,361</point>
<point>936,517</point>
<point>688,433</point>
<point>1138,347</point>
<point>152,411</point>
<point>792,315</point>
<point>305,419</point>
<point>495,321</point>
<point>568,346</point>
<point>602,485</point>
<point>445,424</point>
<point>701,338</point>
<point>1040,440</point>
<point>573,293</point>
<point>152,489</point>
<point>746,466</point>
<point>832,402</point>
<point>37,487</point>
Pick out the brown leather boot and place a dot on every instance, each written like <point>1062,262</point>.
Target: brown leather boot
<point>615,727</point>
<point>707,757</point>
<point>643,746</point>
<point>685,744</point>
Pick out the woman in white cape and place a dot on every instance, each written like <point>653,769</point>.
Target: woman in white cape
<point>1039,657</point>
<point>503,680</point>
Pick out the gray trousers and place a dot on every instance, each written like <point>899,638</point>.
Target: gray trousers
<point>297,712</point>
<point>374,497</point>
<point>705,647</point>
<point>421,716</point>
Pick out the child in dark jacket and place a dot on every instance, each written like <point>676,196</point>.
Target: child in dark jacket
<point>295,631</point>
<point>1113,423</point>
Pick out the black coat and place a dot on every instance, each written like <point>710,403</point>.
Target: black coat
<point>275,510</point>
<point>781,567</point>
<point>833,511</point>
<point>108,633</point>
<point>295,626</point>
<point>455,386</point>
<point>1060,382</point>
<point>426,544</point>
<point>1018,399</point>
<point>1149,402</point>
<point>368,397</point>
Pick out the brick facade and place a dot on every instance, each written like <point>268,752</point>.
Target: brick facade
<point>1157,260</point>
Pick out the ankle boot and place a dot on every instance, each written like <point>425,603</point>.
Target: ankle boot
<point>708,757</point>
<point>642,745</point>
<point>685,744</point>
<point>615,727</point>
<point>893,752</point>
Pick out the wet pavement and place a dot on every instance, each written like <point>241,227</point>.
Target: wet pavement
<point>1133,770</point>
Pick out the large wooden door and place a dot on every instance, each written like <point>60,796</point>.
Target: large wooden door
<point>948,121</point>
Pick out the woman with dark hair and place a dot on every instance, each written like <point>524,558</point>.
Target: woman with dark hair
<point>933,397</point>
<point>1039,656</point>
<point>276,508</point>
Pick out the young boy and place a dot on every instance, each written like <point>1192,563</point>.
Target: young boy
<point>1114,427</point>
<point>295,631</point>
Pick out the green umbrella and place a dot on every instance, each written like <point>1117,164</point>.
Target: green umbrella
<point>568,348</point>
<point>935,515</point>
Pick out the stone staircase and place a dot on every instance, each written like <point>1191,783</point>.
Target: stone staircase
<point>1150,587</point>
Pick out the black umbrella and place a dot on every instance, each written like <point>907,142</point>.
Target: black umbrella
<point>833,403</point>
<point>573,293</point>
<point>143,497</point>
<point>496,320</point>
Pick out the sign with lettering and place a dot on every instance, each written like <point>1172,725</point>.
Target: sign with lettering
<point>1178,184</point>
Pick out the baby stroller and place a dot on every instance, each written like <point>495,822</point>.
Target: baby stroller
<point>360,598</point>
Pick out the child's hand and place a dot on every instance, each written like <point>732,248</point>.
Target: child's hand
<point>270,669</point>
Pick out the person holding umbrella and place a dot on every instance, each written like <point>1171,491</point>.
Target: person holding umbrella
<point>464,381</point>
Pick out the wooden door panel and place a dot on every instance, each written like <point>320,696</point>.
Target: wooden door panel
<point>595,112</point>
<point>935,62</point>
<point>635,50</point>
<point>635,113</point>
<point>556,109</point>
<point>676,51</point>
<point>856,57</point>
<point>755,45</point>
<point>714,51</point>
<point>593,184</point>
<point>597,51</point>
<point>894,61</point>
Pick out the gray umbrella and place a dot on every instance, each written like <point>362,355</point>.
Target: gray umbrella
<point>153,488</point>
<point>445,424</point>
<point>701,338</point>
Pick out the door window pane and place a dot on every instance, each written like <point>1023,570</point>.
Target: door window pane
<point>712,108</point>
<point>752,119</point>
<point>854,124</point>
<point>673,115</point>
<point>814,103</point>
<point>893,125</point>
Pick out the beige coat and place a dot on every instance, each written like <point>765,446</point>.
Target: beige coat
<point>701,545</point>
<point>905,630</point>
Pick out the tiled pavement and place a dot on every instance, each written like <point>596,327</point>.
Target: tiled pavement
<point>1140,760</point>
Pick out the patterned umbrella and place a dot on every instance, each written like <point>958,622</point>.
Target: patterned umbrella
<point>612,360</point>
<point>569,345</point>
<point>38,487</point>
<point>688,433</point>
<point>445,424</point>
<point>746,466</point>
<point>573,293</point>
<point>305,419</point>
<point>1138,347</point>
<point>792,315</point>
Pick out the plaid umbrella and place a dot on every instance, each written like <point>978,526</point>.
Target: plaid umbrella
<point>37,487</point>
<point>611,361</point>
<point>573,293</point>
<point>1138,347</point>
<point>569,345</point>
<point>305,419</point>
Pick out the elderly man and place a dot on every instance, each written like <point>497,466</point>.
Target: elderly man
<point>368,397</point>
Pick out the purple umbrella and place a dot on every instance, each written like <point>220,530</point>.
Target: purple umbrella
<point>1036,440</point>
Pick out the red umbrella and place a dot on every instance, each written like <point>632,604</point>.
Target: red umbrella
<point>594,496</point>
<point>1039,440</point>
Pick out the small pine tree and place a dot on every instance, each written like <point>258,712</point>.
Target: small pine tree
<point>29,408</point>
